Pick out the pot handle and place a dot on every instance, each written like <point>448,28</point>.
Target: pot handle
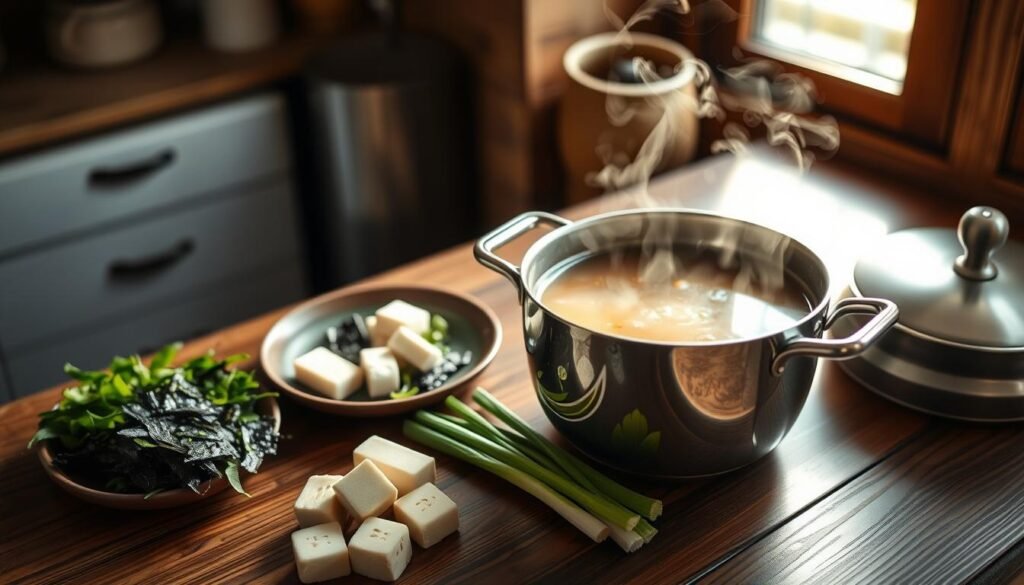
<point>885,316</point>
<point>505,233</point>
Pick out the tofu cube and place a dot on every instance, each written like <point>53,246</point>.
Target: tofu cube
<point>365,491</point>
<point>317,504</point>
<point>411,347</point>
<point>380,370</point>
<point>328,373</point>
<point>380,549</point>
<point>320,553</point>
<point>401,314</point>
<point>407,469</point>
<point>377,338</point>
<point>429,513</point>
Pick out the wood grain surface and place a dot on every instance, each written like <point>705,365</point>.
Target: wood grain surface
<point>847,445</point>
<point>935,512</point>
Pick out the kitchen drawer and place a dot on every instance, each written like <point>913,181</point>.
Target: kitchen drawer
<point>96,281</point>
<point>226,303</point>
<point>72,188</point>
<point>5,393</point>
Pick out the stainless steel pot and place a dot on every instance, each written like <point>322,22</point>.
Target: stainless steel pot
<point>674,410</point>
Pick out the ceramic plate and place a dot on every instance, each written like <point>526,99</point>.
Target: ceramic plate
<point>165,499</point>
<point>472,326</point>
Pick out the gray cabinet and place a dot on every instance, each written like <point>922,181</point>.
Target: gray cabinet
<point>198,313</point>
<point>132,172</point>
<point>154,250</point>
<point>5,393</point>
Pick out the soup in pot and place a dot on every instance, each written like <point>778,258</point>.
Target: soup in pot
<point>693,301</point>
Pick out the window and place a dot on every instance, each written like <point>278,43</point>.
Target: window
<point>888,65</point>
<point>865,42</point>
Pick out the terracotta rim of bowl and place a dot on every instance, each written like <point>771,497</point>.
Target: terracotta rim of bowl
<point>585,46</point>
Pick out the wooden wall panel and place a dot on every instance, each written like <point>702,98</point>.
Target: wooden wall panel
<point>1014,161</point>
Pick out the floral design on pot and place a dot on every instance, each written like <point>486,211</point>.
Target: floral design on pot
<point>632,439</point>
<point>576,410</point>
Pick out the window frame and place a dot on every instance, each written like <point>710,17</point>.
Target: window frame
<point>921,114</point>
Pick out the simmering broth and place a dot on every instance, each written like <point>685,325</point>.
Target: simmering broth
<point>699,302</point>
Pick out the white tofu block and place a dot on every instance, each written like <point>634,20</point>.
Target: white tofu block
<point>317,504</point>
<point>380,549</point>
<point>328,373</point>
<point>411,347</point>
<point>377,338</point>
<point>380,370</point>
<point>320,553</point>
<point>429,513</point>
<point>365,491</point>
<point>407,469</point>
<point>400,313</point>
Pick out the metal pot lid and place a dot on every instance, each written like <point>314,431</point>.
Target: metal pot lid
<point>964,287</point>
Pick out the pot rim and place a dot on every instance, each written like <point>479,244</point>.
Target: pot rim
<point>528,289</point>
<point>576,52</point>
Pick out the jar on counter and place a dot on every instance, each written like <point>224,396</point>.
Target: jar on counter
<point>240,25</point>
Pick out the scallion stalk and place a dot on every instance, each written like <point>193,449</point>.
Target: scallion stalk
<point>597,504</point>
<point>594,528</point>
<point>628,540</point>
<point>480,424</point>
<point>651,508</point>
<point>645,530</point>
<point>484,427</point>
<point>491,404</point>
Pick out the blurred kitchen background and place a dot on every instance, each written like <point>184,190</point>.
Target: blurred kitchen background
<point>169,167</point>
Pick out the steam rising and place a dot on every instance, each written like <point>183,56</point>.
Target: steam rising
<point>763,95</point>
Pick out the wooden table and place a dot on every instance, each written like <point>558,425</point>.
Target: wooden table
<point>861,490</point>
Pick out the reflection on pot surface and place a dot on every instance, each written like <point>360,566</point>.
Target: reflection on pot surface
<point>711,383</point>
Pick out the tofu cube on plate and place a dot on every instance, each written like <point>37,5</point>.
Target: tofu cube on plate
<point>328,373</point>
<point>398,314</point>
<point>411,347</point>
<point>320,553</point>
<point>377,337</point>
<point>380,370</point>
<point>380,549</point>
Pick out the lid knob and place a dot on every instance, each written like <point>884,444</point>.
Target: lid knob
<point>982,231</point>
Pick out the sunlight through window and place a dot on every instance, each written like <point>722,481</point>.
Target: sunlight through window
<point>866,42</point>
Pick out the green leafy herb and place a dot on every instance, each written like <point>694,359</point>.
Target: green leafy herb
<point>438,332</point>
<point>405,393</point>
<point>139,428</point>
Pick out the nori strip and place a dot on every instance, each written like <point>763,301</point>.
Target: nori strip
<point>173,435</point>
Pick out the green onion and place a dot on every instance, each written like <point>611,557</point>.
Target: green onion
<point>596,504</point>
<point>484,427</point>
<point>645,530</point>
<point>491,404</point>
<point>594,528</point>
<point>593,479</point>
<point>405,393</point>
<point>628,540</point>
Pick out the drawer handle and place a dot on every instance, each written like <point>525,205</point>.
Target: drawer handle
<point>112,177</point>
<point>147,266</point>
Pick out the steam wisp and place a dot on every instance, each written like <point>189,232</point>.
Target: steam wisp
<point>764,96</point>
